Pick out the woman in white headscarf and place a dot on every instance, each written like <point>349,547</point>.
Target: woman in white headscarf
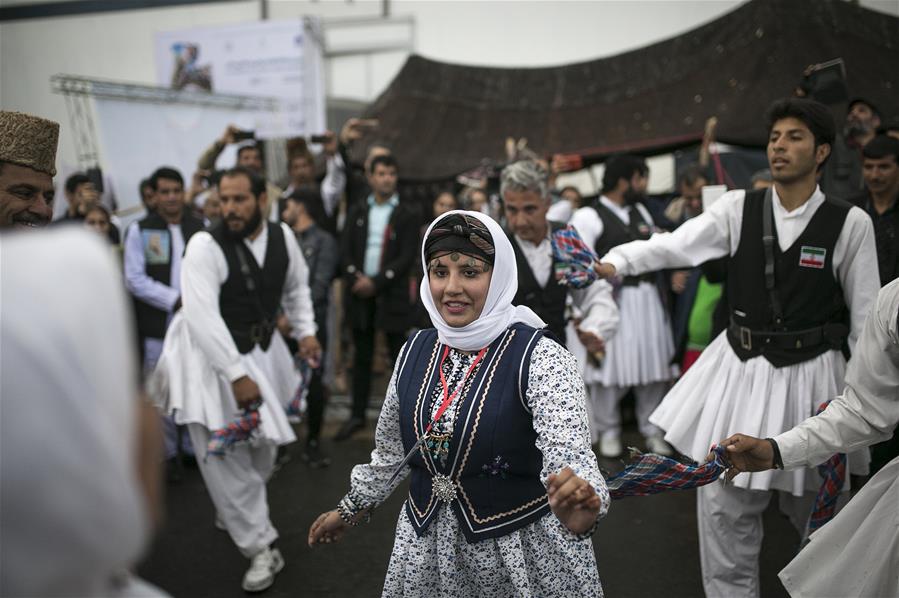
<point>485,413</point>
<point>79,471</point>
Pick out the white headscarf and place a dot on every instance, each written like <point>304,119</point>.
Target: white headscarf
<point>498,313</point>
<point>73,515</point>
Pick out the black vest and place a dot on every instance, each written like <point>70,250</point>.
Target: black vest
<point>250,316</point>
<point>548,302</point>
<point>615,233</point>
<point>810,296</point>
<point>493,461</point>
<point>157,247</point>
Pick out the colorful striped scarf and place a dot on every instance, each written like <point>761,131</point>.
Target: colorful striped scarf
<point>573,259</point>
<point>834,473</point>
<point>652,474</point>
<point>237,430</point>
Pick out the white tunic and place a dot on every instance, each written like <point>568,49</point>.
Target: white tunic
<point>856,554</point>
<point>721,395</point>
<point>199,359</point>
<point>642,349</point>
<point>541,559</point>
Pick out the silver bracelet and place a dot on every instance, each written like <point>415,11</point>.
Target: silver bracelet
<point>349,512</point>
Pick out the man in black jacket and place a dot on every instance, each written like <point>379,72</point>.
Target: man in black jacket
<point>379,247</point>
<point>302,213</point>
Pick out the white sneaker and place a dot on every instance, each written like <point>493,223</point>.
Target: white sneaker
<point>263,567</point>
<point>610,447</point>
<point>656,444</point>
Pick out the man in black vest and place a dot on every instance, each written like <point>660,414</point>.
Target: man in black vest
<point>639,357</point>
<point>378,248</point>
<point>800,282</point>
<point>223,356</point>
<point>526,200</point>
<point>153,250</point>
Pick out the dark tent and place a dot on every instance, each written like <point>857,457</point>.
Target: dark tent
<point>442,119</point>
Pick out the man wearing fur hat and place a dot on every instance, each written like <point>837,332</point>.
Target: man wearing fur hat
<point>27,166</point>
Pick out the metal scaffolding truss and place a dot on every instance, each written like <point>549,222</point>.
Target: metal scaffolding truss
<point>80,91</point>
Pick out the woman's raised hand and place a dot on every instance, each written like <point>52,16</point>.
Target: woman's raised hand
<point>328,528</point>
<point>573,500</point>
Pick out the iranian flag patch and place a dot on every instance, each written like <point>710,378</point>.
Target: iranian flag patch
<point>812,257</point>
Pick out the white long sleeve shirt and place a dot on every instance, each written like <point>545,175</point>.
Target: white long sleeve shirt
<point>716,233</point>
<point>868,410</point>
<point>595,302</point>
<point>204,271</point>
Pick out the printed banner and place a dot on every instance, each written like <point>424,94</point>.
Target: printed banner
<point>273,59</point>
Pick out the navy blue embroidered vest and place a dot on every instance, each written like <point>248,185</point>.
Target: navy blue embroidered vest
<point>493,460</point>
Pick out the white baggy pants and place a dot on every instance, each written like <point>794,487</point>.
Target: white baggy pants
<point>236,485</point>
<point>605,417</point>
<point>730,535</point>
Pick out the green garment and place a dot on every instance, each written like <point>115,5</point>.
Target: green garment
<point>699,328</point>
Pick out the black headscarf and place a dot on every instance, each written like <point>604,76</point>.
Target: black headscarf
<point>458,233</point>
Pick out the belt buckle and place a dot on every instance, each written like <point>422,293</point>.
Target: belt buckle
<point>745,338</point>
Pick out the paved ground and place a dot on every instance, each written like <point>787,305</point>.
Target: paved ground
<point>644,547</point>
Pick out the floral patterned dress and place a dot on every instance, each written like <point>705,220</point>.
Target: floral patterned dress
<point>542,559</point>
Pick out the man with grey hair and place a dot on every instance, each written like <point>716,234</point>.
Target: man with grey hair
<point>525,193</point>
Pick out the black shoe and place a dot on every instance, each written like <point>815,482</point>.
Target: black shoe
<point>314,457</point>
<point>349,427</point>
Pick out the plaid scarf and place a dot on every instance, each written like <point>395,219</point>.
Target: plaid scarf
<point>573,259</point>
<point>834,473</point>
<point>296,405</point>
<point>652,474</point>
<point>239,429</point>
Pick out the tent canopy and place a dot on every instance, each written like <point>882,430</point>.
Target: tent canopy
<point>442,119</point>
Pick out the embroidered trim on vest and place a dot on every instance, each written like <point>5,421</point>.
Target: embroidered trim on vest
<point>527,351</point>
<point>425,385</point>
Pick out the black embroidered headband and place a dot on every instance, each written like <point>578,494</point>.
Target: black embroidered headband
<point>459,233</point>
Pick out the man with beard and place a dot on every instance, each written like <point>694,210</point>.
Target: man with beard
<point>842,176</point>
<point>639,355</point>
<point>222,357</point>
<point>799,287</point>
<point>27,167</point>
<point>152,255</point>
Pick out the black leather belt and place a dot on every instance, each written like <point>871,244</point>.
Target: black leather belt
<point>832,335</point>
<point>632,281</point>
<point>259,333</point>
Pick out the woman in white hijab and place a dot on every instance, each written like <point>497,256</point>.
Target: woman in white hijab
<point>485,413</point>
<point>79,471</point>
